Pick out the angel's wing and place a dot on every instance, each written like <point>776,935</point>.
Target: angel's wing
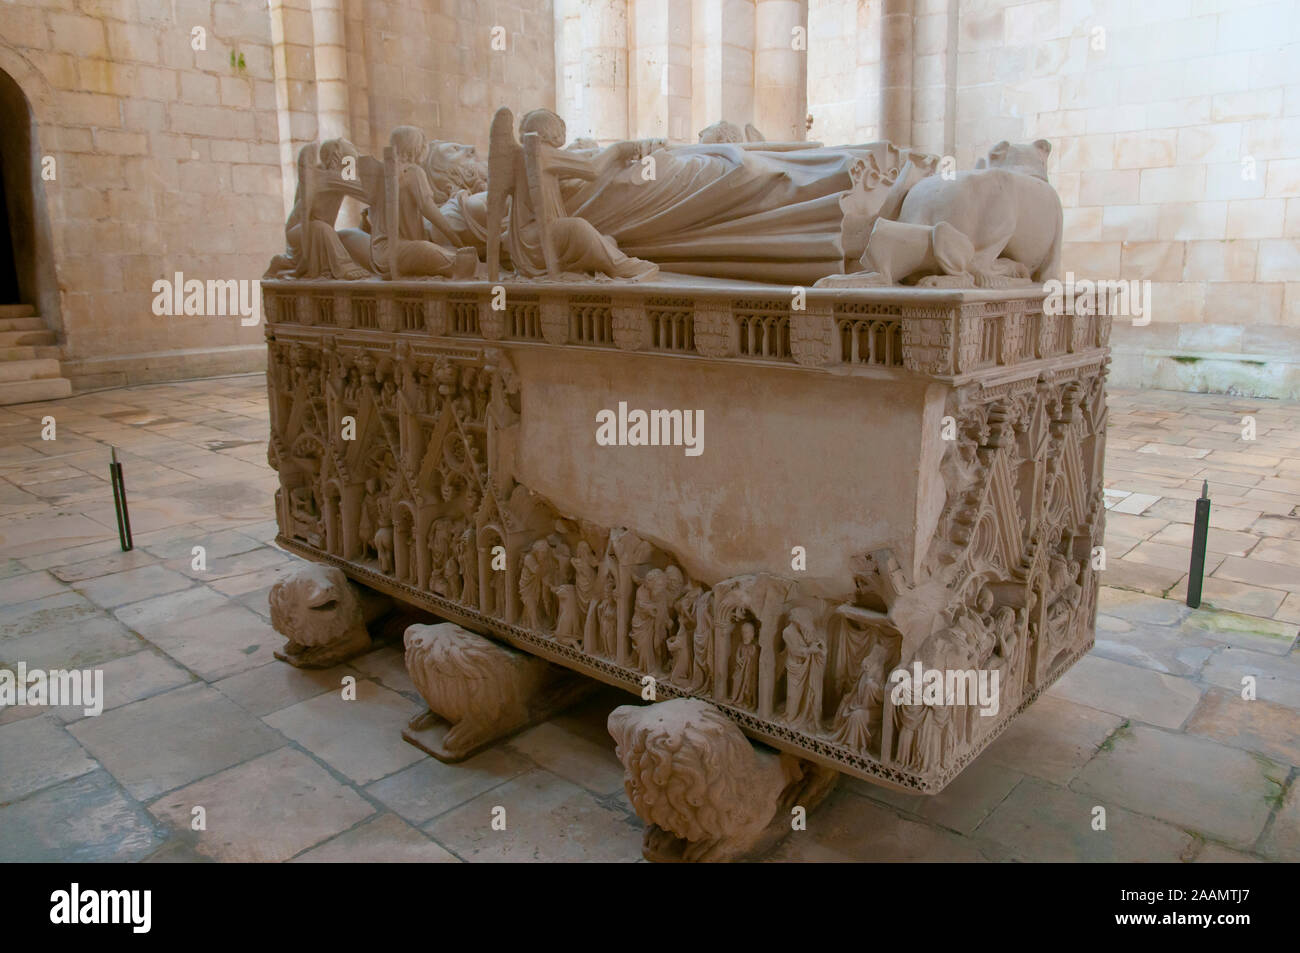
<point>504,155</point>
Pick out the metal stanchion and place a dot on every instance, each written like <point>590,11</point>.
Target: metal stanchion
<point>119,503</point>
<point>1200,531</point>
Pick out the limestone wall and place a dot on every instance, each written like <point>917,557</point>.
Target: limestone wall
<point>170,159</point>
<point>166,159</point>
<point>1176,150</point>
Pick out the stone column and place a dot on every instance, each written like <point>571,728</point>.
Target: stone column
<point>722,62</point>
<point>780,70</point>
<point>660,48</point>
<point>867,82</point>
<point>331,59</point>
<point>592,67</point>
<point>896,72</point>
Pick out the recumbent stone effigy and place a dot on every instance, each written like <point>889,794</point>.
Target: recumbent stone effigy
<point>902,470</point>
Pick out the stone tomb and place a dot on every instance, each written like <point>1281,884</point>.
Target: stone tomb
<point>888,476</point>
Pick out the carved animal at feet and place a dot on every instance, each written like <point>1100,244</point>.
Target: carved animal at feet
<point>995,225</point>
<point>706,793</point>
<point>317,609</point>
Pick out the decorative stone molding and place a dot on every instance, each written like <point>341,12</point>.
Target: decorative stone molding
<point>435,316</point>
<point>812,336</point>
<point>491,322</point>
<point>716,334</point>
<point>555,319</point>
<point>631,329</point>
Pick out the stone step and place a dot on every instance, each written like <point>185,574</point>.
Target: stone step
<point>16,338</point>
<point>17,311</point>
<point>35,369</point>
<point>25,392</point>
<point>21,324</point>
<point>23,352</point>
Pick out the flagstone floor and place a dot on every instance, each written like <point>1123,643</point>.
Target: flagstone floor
<point>1151,725</point>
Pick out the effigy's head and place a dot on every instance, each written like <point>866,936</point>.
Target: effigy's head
<point>722,131</point>
<point>334,151</point>
<point>408,143</point>
<point>453,166</point>
<point>546,124</point>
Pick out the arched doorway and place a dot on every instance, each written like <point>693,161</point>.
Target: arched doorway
<point>29,296</point>
<point>26,264</point>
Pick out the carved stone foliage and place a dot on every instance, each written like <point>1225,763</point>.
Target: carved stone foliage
<point>396,462</point>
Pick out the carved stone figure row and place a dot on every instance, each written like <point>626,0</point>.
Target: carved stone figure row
<point>731,206</point>
<point>423,492</point>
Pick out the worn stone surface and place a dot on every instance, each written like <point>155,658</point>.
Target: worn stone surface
<point>1145,770</point>
<point>266,809</point>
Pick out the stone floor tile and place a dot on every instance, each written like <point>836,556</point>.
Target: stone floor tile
<point>1041,822</point>
<point>1161,648</point>
<point>1289,610</point>
<point>1277,680</point>
<point>850,828</point>
<point>133,585</point>
<point>278,685</point>
<point>1243,631</point>
<point>86,643</point>
<point>266,809</point>
<point>161,743</point>
<point>1272,730</point>
<point>221,643</point>
<point>1136,607</point>
<point>37,753</point>
<point>1282,839</point>
<point>961,806</point>
<point>387,666</point>
<point>385,839</point>
<point>429,788</point>
<point>1191,782</point>
<point>32,585</point>
<point>1260,572</point>
<point>1226,542</point>
<point>1127,690</point>
<point>103,565</point>
<point>195,602</point>
<point>130,679</point>
<point>1213,853</point>
<point>361,739</point>
<point>1164,556</point>
<point>85,820</point>
<point>1053,740</point>
<point>1142,577</point>
<point>555,747</point>
<point>546,817</point>
<point>1222,594</point>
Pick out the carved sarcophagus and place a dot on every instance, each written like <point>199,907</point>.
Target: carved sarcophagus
<point>782,507</point>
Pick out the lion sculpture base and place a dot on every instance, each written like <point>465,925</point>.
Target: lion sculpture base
<point>324,616</point>
<point>479,691</point>
<point>705,793</point>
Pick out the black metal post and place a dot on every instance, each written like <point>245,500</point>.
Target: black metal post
<point>119,503</point>
<point>1196,572</point>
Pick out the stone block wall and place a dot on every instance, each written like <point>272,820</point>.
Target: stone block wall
<point>165,159</point>
<point>1175,127</point>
